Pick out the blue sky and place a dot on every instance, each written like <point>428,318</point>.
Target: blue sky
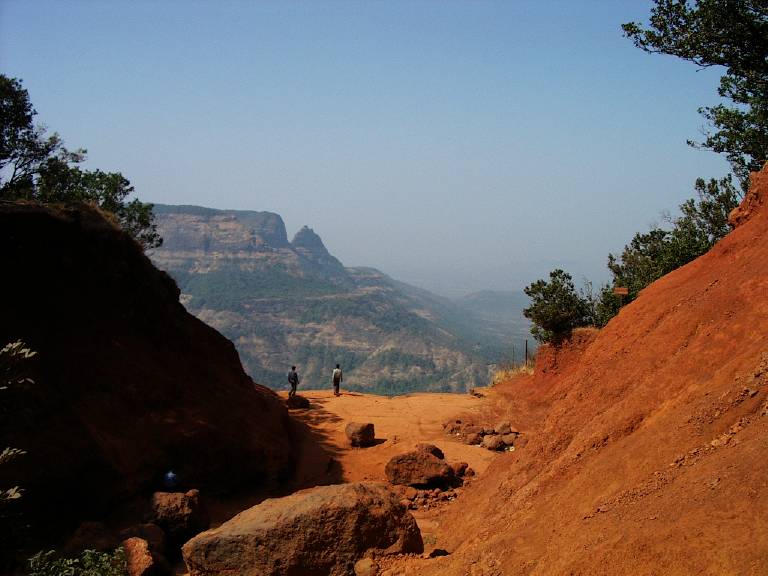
<point>454,145</point>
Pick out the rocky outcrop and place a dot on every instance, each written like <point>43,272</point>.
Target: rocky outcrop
<point>753,202</point>
<point>360,435</point>
<point>127,384</point>
<point>310,247</point>
<point>321,531</point>
<point>194,228</point>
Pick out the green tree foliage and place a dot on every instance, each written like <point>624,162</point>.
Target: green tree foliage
<point>649,256</point>
<point>89,563</point>
<point>36,166</point>
<point>556,307</point>
<point>728,33</point>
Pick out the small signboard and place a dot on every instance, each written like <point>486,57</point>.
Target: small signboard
<point>621,291</point>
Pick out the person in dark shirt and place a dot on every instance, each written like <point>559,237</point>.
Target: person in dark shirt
<point>293,380</point>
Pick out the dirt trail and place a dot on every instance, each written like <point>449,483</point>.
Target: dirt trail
<point>400,423</point>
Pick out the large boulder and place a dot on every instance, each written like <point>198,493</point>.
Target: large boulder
<point>360,434</point>
<point>431,449</point>
<point>181,515</point>
<point>322,531</point>
<point>418,468</point>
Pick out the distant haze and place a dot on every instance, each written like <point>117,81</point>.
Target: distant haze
<point>454,145</point>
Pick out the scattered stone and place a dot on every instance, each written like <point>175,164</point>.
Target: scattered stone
<point>469,472</point>
<point>473,438</point>
<point>431,449</point>
<point>509,439</point>
<point>361,435</point>
<point>418,468</point>
<point>492,443</point>
<point>138,558</point>
<point>411,493</point>
<point>459,468</point>
<point>323,530</point>
<point>503,428</point>
<point>452,426</point>
<point>488,431</point>
<point>297,402</point>
<point>180,515</point>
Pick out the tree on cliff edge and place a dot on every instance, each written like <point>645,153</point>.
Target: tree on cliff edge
<point>728,33</point>
<point>556,308</point>
<point>36,166</point>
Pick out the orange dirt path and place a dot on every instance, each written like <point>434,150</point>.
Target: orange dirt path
<point>400,423</point>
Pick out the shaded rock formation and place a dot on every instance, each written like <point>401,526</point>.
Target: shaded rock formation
<point>181,515</point>
<point>317,532</point>
<point>127,383</point>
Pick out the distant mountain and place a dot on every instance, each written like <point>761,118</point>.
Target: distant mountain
<point>291,302</point>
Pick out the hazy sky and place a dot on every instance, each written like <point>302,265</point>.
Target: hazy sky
<point>454,145</point>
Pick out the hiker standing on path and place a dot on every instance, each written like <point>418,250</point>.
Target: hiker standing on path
<point>337,379</point>
<point>293,380</point>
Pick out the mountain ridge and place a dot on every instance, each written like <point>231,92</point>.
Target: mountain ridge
<point>293,303</point>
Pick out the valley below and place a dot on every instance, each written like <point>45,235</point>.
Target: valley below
<point>285,303</point>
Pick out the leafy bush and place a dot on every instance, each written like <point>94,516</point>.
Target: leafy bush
<point>89,563</point>
<point>13,374</point>
<point>556,308</point>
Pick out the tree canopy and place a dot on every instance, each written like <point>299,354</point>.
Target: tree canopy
<point>556,308</point>
<point>36,166</point>
<point>728,33</point>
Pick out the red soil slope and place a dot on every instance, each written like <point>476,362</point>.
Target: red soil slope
<point>127,383</point>
<point>649,442</point>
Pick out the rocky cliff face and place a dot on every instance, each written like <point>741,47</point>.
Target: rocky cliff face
<point>127,383</point>
<point>209,230</point>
